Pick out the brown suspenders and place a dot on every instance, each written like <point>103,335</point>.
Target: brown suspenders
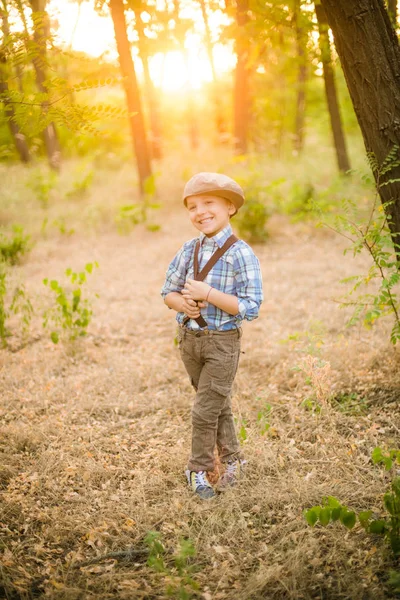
<point>200,276</point>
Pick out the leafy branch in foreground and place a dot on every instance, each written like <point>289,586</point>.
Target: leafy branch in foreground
<point>374,237</point>
<point>72,313</point>
<point>332,510</point>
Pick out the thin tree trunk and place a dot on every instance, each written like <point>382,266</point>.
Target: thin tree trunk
<point>132,93</point>
<point>369,51</point>
<point>18,137</point>
<point>40,34</point>
<point>330,91</point>
<point>301,40</point>
<point>155,126</point>
<point>241,98</point>
<point>392,10</point>
<point>219,117</point>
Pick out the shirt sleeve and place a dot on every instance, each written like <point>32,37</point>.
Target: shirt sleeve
<point>176,273</point>
<point>248,281</point>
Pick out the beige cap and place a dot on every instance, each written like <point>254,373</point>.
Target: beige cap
<point>214,184</point>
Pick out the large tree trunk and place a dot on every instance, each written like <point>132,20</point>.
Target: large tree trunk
<point>155,127</point>
<point>241,98</point>
<point>369,51</point>
<point>40,35</point>
<point>301,44</point>
<point>330,91</point>
<point>132,92</point>
<point>219,117</point>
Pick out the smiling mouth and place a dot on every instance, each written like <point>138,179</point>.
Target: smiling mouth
<point>205,221</point>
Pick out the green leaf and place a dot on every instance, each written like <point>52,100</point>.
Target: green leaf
<point>312,514</point>
<point>378,526</point>
<point>364,518</point>
<point>335,513</point>
<point>325,516</point>
<point>89,267</point>
<point>54,337</point>
<point>54,285</point>
<point>348,518</point>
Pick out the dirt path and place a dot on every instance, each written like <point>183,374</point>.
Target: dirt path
<point>94,441</point>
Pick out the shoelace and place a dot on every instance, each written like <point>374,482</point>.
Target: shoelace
<point>231,468</point>
<point>201,479</point>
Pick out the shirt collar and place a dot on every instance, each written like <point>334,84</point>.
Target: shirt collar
<point>219,239</point>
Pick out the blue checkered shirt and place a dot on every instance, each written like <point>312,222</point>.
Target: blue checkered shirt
<point>237,272</point>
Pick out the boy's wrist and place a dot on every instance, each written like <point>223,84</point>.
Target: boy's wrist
<point>208,293</point>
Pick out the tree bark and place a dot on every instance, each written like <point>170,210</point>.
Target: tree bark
<point>155,126</point>
<point>136,120</point>
<point>40,35</point>
<point>241,98</point>
<point>18,137</point>
<point>369,51</point>
<point>330,91</point>
<point>392,10</point>
<point>301,42</point>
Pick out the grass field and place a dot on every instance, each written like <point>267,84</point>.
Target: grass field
<point>95,435</point>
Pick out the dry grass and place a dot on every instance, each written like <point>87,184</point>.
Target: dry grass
<point>94,439</point>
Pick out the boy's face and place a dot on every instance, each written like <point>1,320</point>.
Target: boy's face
<point>209,214</point>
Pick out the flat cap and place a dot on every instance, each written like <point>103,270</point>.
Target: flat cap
<point>214,184</point>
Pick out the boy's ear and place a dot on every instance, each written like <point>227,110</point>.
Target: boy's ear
<point>231,209</point>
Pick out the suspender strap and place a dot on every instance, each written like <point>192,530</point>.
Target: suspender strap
<point>200,276</point>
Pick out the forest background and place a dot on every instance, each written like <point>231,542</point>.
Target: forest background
<point>298,101</point>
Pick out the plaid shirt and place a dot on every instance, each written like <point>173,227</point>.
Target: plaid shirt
<point>237,272</point>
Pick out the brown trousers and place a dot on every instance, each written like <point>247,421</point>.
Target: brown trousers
<point>211,361</point>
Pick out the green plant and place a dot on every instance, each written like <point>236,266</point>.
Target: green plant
<point>263,418</point>
<point>332,510</point>
<point>301,200</point>
<point>133,214</point>
<point>71,314</point>
<point>251,220</point>
<point>80,186</point>
<point>12,248</point>
<point>373,236</point>
<point>42,183</point>
<point>349,403</point>
<point>19,304</point>
<point>178,572</point>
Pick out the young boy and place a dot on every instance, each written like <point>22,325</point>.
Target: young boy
<point>210,313</point>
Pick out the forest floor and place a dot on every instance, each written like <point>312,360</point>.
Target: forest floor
<point>95,435</point>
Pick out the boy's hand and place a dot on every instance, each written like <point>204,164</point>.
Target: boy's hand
<point>196,290</point>
<point>191,308</point>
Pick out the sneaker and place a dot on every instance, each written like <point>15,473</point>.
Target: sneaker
<point>199,483</point>
<point>234,471</point>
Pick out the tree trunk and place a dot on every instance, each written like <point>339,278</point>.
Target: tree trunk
<point>132,93</point>
<point>18,137</point>
<point>330,91</point>
<point>392,10</point>
<point>40,35</point>
<point>219,117</point>
<point>369,51</point>
<point>241,98</point>
<point>301,42</point>
<point>155,127</point>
